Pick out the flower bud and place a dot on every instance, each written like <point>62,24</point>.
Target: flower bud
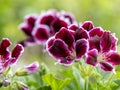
<point>22,86</point>
<point>5,82</point>
<point>30,69</point>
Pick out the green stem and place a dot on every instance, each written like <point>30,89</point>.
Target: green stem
<point>110,78</point>
<point>86,83</point>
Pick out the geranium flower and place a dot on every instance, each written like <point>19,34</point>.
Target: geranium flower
<point>102,49</point>
<point>27,28</point>
<point>65,48</point>
<point>38,28</point>
<point>8,58</point>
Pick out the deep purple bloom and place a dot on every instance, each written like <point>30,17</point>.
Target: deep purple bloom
<point>8,58</point>
<point>102,49</point>
<point>27,28</point>
<point>40,27</point>
<point>64,47</point>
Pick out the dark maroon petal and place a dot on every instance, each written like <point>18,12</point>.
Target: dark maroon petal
<point>41,33</point>
<point>81,48</point>
<point>107,42</point>
<point>66,61</point>
<point>81,33</point>
<point>96,31</point>
<point>57,24</point>
<point>87,25</point>
<point>17,51</point>
<point>26,28</point>
<point>66,36</point>
<point>94,43</point>
<point>106,67</point>
<point>50,42</point>
<point>73,27</point>
<point>4,49</point>
<point>113,58</point>
<point>59,49</point>
<point>30,19</point>
<point>47,19</point>
<point>91,57</point>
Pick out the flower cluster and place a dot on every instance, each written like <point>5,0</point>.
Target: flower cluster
<point>8,58</point>
<point>72,43</point>
<point>38,28</point>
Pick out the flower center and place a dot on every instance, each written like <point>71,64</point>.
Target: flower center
<point>101,57</point>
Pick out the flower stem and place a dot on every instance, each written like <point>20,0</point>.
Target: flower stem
<point>86,83</point>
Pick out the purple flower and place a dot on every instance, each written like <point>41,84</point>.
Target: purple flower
<point>27,28</point>
<point>8,58</point>
<point>32,68</point>
<point>38,28</point>
<point>102,49</point>
<point>64,47</point>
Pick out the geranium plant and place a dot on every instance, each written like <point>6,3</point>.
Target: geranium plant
<point>88,54</point>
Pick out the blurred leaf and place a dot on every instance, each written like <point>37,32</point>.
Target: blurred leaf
<point>55,83</point>
<point>45,88</point>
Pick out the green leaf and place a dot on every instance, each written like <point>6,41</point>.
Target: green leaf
<point>55,83</point>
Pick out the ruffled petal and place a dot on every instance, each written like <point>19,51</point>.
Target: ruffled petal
<point>81,33</point>
<point>113,58</point>
<point>107,42</point>
<point>17,51</point>
<point>96,31</point>
<point>73,27</point>
<point>87,25</point>
<point>57,24</point>
<point>81,48</point>
<point>46,19</point>
<point>94,43</point>
<point>4,49</point>
<point>58,49</point>
<point>26,28</point>
<point>31,19</point>
<point>91,57</point>
<point>106,67</point>
<point>66,36</point>
<point>41,33</point>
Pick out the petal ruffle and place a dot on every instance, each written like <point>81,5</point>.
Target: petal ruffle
<point>106,67</point>
<point>41,33</point>
<point>66,36</point>
<point>81,33</point>
<point>96,31</point>
<point>17,51</point>
<point>94,43</point>
<point>81,48</point>
<point>58,49</point>
<point>107,42</point>
<point>87,25</point>
<point>91,57</point>
<point>57,24</point>
<point>113,58</point>
<point>4,49</point>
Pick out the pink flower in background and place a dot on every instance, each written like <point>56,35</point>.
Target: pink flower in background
<point>32,68</point>
<point>38,28</point>
<point>8,58</point>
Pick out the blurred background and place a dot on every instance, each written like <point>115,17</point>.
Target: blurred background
<point>104,13</point>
